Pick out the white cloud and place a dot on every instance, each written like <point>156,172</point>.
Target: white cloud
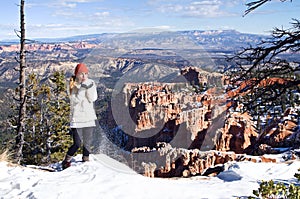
<point>68,3</point>
<point>102,14</point>
<point>91,25</point>
<point>75,1</point>
<point>152,29</point>
<point>200,8</point>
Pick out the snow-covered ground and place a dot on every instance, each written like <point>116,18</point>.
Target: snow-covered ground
<point>106,178</point>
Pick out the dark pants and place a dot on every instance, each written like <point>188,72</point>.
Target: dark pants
<point>81,135</point>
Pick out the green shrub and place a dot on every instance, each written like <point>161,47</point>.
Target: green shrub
<point>272,190</point>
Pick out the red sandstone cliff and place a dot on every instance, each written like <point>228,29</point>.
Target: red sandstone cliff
<point>238,134</point>
<point>168,161</point>
<point>158,104</point>
<point>283,132</point>
<point>48,47</point>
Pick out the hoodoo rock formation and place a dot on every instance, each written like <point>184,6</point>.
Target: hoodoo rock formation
<point>170,122</point>
<point>178,113</point>
<point>280,133</point>
<point>238,134</point>
<point>168,161</point>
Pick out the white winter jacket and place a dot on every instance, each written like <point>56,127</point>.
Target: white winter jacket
<point>82,101</point>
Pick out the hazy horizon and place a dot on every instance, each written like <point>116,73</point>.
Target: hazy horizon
<point>66,18</point>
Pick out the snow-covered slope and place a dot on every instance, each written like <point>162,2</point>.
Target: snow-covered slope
<point>106,178</point>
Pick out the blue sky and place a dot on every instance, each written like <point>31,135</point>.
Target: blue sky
<point>62,18</point>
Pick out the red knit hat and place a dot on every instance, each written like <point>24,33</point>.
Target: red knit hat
<point>81,68</point>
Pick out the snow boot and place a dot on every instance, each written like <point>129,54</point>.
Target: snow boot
<point>66,162</point>
<point>85,158</point>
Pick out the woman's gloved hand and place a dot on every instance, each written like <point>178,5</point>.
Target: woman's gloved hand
<point>87,84</point>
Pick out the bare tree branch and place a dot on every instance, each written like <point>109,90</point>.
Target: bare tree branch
<point>265,74</point>
<point>253,5</point>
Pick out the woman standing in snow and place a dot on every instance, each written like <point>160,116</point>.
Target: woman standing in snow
<point>83,94</point>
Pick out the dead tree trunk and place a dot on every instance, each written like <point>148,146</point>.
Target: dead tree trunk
<point>22,88</point>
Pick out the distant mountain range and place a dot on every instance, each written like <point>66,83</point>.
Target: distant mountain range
<point>202,37</point>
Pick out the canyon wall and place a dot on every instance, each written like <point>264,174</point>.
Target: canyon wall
<point>171,112</point>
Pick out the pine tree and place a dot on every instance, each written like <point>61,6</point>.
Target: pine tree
<point>58,118</point>
<point>47,120</point>
<point>34,129</point>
